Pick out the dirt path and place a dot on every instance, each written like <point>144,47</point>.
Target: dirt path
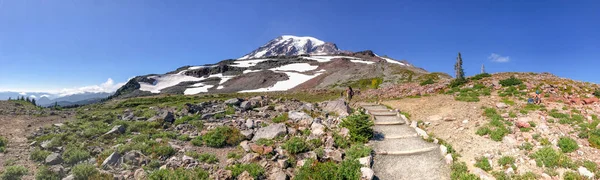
<point>16,128</point>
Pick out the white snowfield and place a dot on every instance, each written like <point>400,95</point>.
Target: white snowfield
<point>293,71</point>
<point>297,42</point>
<point>392,61</point>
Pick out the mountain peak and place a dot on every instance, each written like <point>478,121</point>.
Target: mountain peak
<point>290,45</point>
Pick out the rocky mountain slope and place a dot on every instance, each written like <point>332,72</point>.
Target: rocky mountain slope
<point>300,63</point>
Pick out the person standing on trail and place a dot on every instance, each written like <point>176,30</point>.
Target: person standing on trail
<point>349,93</point>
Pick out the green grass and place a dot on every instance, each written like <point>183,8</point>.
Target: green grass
<point>3,144</point>
<point>348,169</point>
<point>460,172</point>
<point>39,155</point>
<point>180,173</point>
<point>549,157</point>
<point>73,155</point>
<point>480,76</point>
<point>483,163</point>
<point>45,174</point>
<point>84,171</point>
<point>295,145</point>
<point>506,161</point>
<point>281,118</point>
<point>567,144</point>
<point>14,173</point>
<point>254,169</point>
<point>358,151</point>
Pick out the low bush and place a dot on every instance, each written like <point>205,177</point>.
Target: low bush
<point>295,145</point>
<point>348,169</point>
<point>3,143</point>
<point>567,144</point>
<point>73,155</point>
<point>162,151</point>
<point>480,76</point>
<point>549,157</point>
<point>179,173</point>
<point>358,151</point>
<point>483,163</point>
<point>571,175</point>
<point>457,82</point>
<point>208,158</point>
<point>265,142</point>
<point>360,127</point>
<point>84,171</point>
<point>197,141</point>
<point>484,130</point>
<point>426,82</point>
<point>14,173</point>
<point>281,118</point>
<point>39,155</point>
<point>512,81</point>
<point>45,174</point>
<point>222,136</point>
<point>233,155</point>
<point>506,161</point>
<point>460,171</point>
<point>253,169</point>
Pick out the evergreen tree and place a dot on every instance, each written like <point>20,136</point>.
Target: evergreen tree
<point>482,69</point>
<point>9,98</point>
<point>33,102</point>
<point>27,99</point>
<point>55,105</point>
<point>460,74</point>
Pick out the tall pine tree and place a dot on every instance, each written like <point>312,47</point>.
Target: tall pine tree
<point>460,74</point>
<point>33,102</point>
<point>27,99</point>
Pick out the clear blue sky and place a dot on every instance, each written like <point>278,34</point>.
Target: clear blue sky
<point>48,45</point>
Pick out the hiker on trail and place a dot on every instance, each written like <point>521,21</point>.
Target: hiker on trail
<point>538,98</point>
<point>349,93</point>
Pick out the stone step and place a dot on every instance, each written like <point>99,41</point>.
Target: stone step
<point>376,108</point>
<point>388,120</point>
<point>403,146</point>
<point>383,113</point>
<point>425,166</point>
<point>394,132</point>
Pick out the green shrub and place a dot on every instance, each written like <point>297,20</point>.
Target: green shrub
<point>499,175</point>
<point>340,141</point>
<point>222,136</point>
<point>498,134</point>
<point>526,146</point>
<point>426,82</point>
<point>512,81</point>
<point>484,130</point>
<point>197,141</point>
<point>265,142</point>
<point>295,145</point>
<point>39,155</point>
<point>567,144</point>
<point>457,82</point>
<point>281,118</point>
<point>84,171</point>
<point>230,110</point>
<point>186,119</point>
<point>571,175</point>
<point>179,173</point>
<point>460,172</point>
<point>348,169</point>
<point>3,143</point>
<point>14,173</point>
<point>233,155</point>
<point>183,137</point>
<point>73,155</point>
<point>483,163</point>
<point>480,76</point>
<point>594,140</point>
<point>254,169</point>
<point>165,135</point>
<point>45,174</point>
<point>506,161</point>
<point>208,158</point>
<point>358,151</point>
<point>162,151</point>
<point>548,157</point>
<point>360,126</point>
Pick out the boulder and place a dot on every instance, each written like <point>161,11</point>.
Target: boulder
<point>334,155</point>
<point>248,133</point>
<point>112,160</point>
<point>250,157</point>
<point>245,176</point>
<point>501,105</point>
<point>140,174</point>
<point>365,161</point>
<point>167,116</point>
<point>448,159</point>
<point>422,133</point>
<point>339,106</point>
<point>246,105</point>
<point>367,173</point>
<point>521,123</point>
<point>249,123</point>
<point>118,129</point>
<point>270,131</point>
<point>45,144</point>
<point>245,146</point>
<point>70,177</point>
<point>585,172</point>
<point>281,108</point>
<point>233,101</point>
<point>443,150</point>
<point>279,175</point>
<point>135,158</point>
<point>53,159</point>
<point>298,116</point>
<point>57,169</point>
<point>317,129</point>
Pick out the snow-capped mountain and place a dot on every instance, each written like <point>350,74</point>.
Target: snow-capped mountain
<point>286,63</point>
<point>293,45</point>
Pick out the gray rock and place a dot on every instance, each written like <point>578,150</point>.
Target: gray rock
<point>281,108</point>
<point>70,177</point>
<point>279,175</point>
<point>297,116</point>
<point>334,155</point>
<point>167,116</point>
<point>585,172</point>
<point>233,101</point>
<point>501,105</point>
<point>118,129</point>
<point>246,105</point>
<point>245,146</point>
<point>45,144</point>
<point>339,106</point>
<point>365,161</point>
<point>112,160</point>
<point>248,133</point>
<point>270,131</point>
<point>134,158</point>
<point>249,123</point>
<point>57,169</point>
<point>317,129</point>
<point>367,173</point>
<point>140,174</point>
<point>53,159</point>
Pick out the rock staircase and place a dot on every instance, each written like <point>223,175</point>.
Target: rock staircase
<point>400,151</point>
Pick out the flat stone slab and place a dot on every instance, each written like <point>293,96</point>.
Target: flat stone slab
<point>403,146</point>
<point>388,120</point>
<point>376,108</point>
<point>424,166</point>
<point>394,131</point>
<point>383,113</point>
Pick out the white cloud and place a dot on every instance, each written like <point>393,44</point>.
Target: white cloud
<point>498,58</point>
<point>45,95</point>
<point>108,86</point>
<point>23,93</point>
<point>33,96</point>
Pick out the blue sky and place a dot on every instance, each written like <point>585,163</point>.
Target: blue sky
<point>51,45</point>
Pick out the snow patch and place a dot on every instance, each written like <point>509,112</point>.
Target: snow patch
<point>329,58</point>
<point>196,90</point>
<point>361,61</point>
<point>294,80</point>
<point>250,71</point>
<point>247,63</point>
<point>300,67</point>
<point>165,81</point>
<point>392,61</point>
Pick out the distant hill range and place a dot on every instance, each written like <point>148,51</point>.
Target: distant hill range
<point>48,99</point>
